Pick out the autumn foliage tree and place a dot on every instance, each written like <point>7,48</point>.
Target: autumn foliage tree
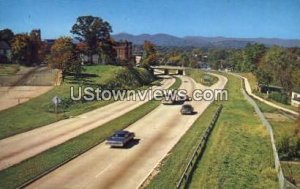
<point>21,50</point>
<point>63,56</point>
<point>26,49</point>
<point>150,56</point>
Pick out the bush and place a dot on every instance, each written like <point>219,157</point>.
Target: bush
<point>289,148</point>
<point>279,97</point>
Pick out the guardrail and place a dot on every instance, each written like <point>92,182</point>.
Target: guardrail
<point>198,151</point>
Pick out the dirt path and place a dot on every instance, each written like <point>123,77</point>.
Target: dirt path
<point>103,167</point>
<point>22,146</point>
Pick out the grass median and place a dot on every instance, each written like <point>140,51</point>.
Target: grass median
<point>37,165</point>
<point>201,77</point>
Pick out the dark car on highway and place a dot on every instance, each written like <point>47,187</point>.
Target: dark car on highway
<point>120,138</point>
<point>187,109</point>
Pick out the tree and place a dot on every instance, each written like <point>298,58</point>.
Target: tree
<point>279,63</point>
<point>150,56</point>
<point>91,30</point>
<point>6,35</point>
<point>252,55</point>
<point>27,49</point>
<point>21,51</point>
<point>217,57</point>
<point>63,56</point>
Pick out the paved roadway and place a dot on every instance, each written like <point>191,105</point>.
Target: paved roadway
<point>249,91</point>
<point>22,146</point>
<point>105,167</point>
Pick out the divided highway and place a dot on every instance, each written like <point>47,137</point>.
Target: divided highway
<point>105,167</point>
<point>25,145</point>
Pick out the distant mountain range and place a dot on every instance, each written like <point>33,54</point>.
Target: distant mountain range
<point>208,42</point>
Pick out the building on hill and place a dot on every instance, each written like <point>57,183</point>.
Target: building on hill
<point>295,100</point>
<point>37,33</point>
<point>123,50</point>
<point>5,52</point>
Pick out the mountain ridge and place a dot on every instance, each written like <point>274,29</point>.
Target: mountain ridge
<point>162,39</point>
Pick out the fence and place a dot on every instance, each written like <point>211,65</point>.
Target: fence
<point>198,151</point>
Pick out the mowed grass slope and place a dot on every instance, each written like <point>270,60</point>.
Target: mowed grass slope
<point>239,152</point>
<point>201,77</point>
<point>40,110</point>
<point>16,175</point>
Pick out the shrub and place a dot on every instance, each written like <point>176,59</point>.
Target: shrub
<point>279,97</point>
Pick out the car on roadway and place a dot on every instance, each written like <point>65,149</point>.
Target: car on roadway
<point>187,109</point>
<point>120,138</point>
<point>184,97</point>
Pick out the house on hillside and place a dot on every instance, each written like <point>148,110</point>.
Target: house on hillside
<point>295,100</point>
<point>124,50</point>
<point>269,88</point>
<point>5,52</point>
<point>123,53</point>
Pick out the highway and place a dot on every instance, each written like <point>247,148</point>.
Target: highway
<point>25,145</point>
<point>105,167</point>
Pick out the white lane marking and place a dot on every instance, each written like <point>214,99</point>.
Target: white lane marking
<point>103,171</point>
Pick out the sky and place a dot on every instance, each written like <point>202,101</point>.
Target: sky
<point>210,18</point>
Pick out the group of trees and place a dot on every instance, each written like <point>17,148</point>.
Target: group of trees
<point>271,65</point>
<point>93,35</point>
<point>27,49</point>
<point>275,65</point>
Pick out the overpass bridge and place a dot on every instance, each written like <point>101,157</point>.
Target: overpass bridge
<point>166,69</point>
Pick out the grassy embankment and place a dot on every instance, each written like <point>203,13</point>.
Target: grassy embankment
<point>238,154</point>
<point>8,69</point>
<point>32,167</point>
<point>254,87</point>
<point>39,111</point>
<point>286,138</point>
<point>202,77</point>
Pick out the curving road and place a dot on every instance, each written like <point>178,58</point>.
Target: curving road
<point>25,145</point>
<point>249,91</point>
<point>105,167</point>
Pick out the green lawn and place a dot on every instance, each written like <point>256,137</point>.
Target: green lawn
<point>39,111</point>
<point>239,152</point>
<point>201,77</point>
<point>9,69</point>
<point>32,167</point>
<point>284,127</point>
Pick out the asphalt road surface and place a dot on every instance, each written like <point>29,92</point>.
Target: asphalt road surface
<point>22,146</point>
<point>104,167</point>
